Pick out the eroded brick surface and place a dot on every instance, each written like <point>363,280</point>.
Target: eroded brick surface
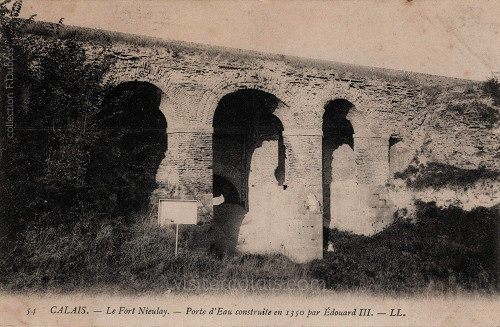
<point>288,218</point>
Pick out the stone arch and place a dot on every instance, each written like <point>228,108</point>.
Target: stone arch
<point>338,158</point>
<point>242,81</point>
<point>226,188</point>
<point>357,200</point>
<point>342,90</point>
<point>248,144</point>
<point>243,122</point>
<point>125,72</point>
<point>123,84</point>
<point>231,174</point>
<point>133,142</point>
<point>360,114</point>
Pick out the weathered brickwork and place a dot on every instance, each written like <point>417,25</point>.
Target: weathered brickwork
<point>186,171</point>
<point>229,162</point>
<point>393,119</point>
<point>304,184</point>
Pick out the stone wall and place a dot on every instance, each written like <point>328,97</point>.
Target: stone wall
<point>395,118</point>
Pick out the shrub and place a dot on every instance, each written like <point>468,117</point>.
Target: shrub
<point>447,247</point>
<point>492,88</point>
<point>437,175</point>
<point>373,263</point>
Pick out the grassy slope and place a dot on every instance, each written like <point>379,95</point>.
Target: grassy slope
<point>445,250</point>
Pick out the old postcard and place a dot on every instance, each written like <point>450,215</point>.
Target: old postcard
<point>250,163</point>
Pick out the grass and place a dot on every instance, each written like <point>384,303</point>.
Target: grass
<point>446,250</point>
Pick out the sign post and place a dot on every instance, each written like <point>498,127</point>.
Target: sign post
<point>176,239</point>
<point>173,211</point>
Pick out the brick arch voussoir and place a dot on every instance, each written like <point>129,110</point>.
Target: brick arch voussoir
<point>360,114</point>
<point>258,81</point>
<point>337,90</point>
<point>152,75</point>
<point>146,73</point>
<point>229,173</point>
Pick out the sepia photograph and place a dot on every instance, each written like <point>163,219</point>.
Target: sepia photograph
<point>249,163</point>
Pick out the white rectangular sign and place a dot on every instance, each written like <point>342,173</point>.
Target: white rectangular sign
<point>173,211</point>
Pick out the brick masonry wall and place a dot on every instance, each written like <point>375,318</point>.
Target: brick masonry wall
<point>229,162</point>
<point>186,171</point>
<point>304,186</point>
<point>193,78</point>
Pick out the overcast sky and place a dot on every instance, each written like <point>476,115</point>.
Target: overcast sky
<point>452,38</point>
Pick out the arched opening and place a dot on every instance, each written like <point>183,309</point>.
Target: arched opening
<point>400,155</point>
<point>225,190</point>
<point>132,143</point>
<point>337,153</point>
<point>248,149</point>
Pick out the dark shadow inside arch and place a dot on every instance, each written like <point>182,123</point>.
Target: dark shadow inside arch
<point>223,187</point>
<point>337,131</point>
<point>132,143</point>
<point>242,121</point>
